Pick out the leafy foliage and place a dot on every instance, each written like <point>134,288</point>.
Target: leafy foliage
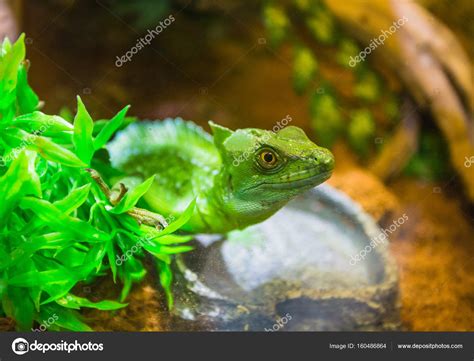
<point>57,226</point>
<point>304,69</point>
<point>326,118</point>
<point>276,22</point>
<point>311,29</point>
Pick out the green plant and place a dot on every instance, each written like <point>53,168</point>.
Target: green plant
<point>59,222</point>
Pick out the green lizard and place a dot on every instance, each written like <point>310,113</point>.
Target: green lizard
<point>238,178</point>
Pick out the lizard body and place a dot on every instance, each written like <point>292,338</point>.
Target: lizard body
<point>238,178</point>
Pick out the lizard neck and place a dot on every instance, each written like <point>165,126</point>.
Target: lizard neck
<point>220,209</point>
<point>212,213</point>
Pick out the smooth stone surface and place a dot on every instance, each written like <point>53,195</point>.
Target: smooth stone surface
<point>294,271</point>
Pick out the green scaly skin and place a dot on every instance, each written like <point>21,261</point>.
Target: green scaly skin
<point>238,178</point>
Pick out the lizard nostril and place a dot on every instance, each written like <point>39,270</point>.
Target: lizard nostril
<point>329,162</point>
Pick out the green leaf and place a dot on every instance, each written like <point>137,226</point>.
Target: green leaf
<point>181,221</point>
<point>95,255</point>
<point>19,306</point>
<point>27,99</point>
<point>59,221</point>
<point>22,252</point>
<point>52,240</point>
<point>111,257</point>
<point>71,256</point>
<point>58,290</point>
<point>171,239</point>
<point>6,46</point>
<point>166,279</point>
<point>135,269</point>
<point>75,302</point>
<point>100,124</point>
<point>160,250</point>
<point>110,128</point>
<point>127,286</point>
<point>44,146</point>
<point>9,64</point>
<point>20,179</point>
<point>132,197</point>
<point>83,128</point>
<point>55,240</point>
<point>53,278</point>
<point>132,270</point>
<point>42,278</point>
<point>74,199</point>
<point>67,205</point>
<point>55,282</point>
<point>65,318</point>
<point>34,180</point>
<point>35,294</point>
<point>43,123</point>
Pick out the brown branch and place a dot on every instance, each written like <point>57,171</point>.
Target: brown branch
<point>402,145</point>
<point>430,63</point>
<point>142,216</point>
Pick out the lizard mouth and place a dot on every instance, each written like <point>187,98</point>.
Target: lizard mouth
<point>303,179</point>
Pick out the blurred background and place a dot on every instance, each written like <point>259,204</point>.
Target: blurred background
<point>387,85</point>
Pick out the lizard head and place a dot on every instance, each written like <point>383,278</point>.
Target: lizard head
<point>264,169</point>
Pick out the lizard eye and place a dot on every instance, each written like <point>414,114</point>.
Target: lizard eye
<point>267,159</point>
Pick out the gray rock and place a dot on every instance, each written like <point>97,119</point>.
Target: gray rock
<point>293,272</point>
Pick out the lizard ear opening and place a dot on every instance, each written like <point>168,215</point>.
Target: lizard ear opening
<point>220,133</point>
